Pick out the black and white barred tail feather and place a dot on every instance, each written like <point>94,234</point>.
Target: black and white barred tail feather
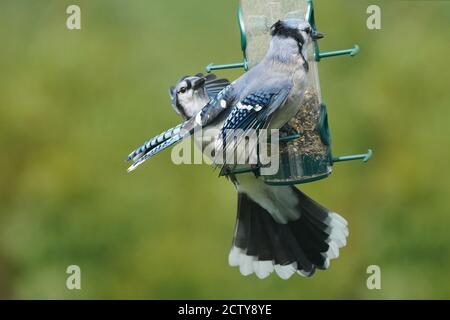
<point>261,245</point>
<point>161,142</point>
<point>166,144</point>
<point>152,143</point>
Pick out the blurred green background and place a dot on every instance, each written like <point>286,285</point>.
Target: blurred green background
<point>74,103</point>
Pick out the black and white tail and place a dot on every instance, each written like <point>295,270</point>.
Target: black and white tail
<point>301,245</point>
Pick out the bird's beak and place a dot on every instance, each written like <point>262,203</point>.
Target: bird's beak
<point>197,84</point>
<point>316,35</point>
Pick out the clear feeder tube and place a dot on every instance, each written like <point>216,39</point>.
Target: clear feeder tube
<point>308,157</point>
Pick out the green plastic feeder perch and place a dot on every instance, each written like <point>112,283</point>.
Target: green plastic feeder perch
<point>352,52</point>
<point>364,157</point>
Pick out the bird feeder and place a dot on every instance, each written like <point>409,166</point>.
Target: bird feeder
<point>306,155</point>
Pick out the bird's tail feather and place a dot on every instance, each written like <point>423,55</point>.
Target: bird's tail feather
<point>155,150</point>
<point>160,142</point>
<point>261,245</point>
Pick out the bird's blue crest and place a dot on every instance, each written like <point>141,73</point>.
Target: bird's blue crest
<point>288,27</point>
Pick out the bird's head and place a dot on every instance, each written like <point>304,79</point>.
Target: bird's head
<point>189,95</point>
<point>297,29</point>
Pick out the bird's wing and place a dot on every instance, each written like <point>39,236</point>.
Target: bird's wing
<point>251,113</point>
<point>168,138</point>
<point>213,85</point>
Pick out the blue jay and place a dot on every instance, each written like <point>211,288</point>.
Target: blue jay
<point>278,228</point>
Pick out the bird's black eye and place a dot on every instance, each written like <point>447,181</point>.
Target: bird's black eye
<point>183,89</point>
<point>308,30</point>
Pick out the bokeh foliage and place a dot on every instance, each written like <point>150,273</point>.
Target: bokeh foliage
<point>74,103</point>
